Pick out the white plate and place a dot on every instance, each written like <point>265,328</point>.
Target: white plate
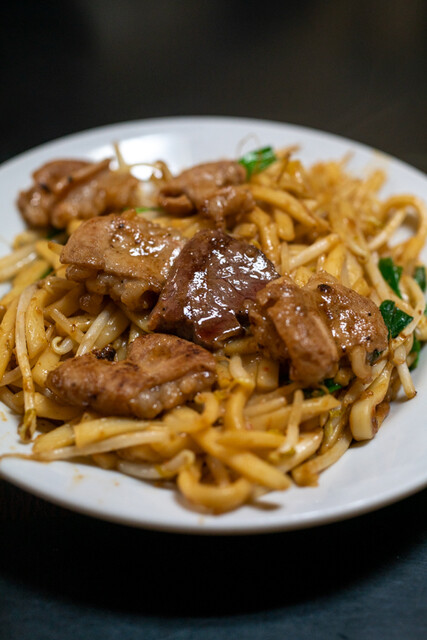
<point>369,476</point>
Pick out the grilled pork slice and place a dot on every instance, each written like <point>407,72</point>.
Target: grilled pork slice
<point>65,190</point>
<point>203,299</point>
<point>215,189</point>
<point>159,373</point>
<point>285,320</point>
<point>312,327</point>
<point>353,320</point>
<point>124,256</point>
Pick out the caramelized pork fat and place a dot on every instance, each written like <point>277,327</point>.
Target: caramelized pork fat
<point>124,256</point>
<point>312,327</point>
<point>159,373</point>
<point>64,190</point>
<point>203,299</point>
<point>215,189</point>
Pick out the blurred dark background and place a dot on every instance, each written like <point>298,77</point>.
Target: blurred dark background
<point>353,67</point>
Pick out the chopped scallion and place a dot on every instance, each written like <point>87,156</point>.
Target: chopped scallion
<point>256,161</point>
<point>144,209</point>
<point>52,233</point>
<point>420,277</point>
<point>46,273</point>
<point>391,274</point>
<point>331,385</point>
<point>395,319</point>
<point>416,348</point>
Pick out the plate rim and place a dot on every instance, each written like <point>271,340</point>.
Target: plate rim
<point>353,509</point>
<point>334,515</point>
<point>216,119</point>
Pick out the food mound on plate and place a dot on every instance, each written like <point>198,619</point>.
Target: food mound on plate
<point>231,329</point>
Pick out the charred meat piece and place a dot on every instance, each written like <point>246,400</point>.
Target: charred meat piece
<point>208,285</point>
<point>189,190</point>
<point>312,327</point>
<point>353,320</point>
<point>159,373</point>
<point>286,321</point>
<point>227,203</point>
<point>65,190</point>
<point>124,256</point>
<point>213,189</point>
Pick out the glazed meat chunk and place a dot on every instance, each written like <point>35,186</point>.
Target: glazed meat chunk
<point>204,297</point>
<point>353,320</point>
<point>65,190</point>
<point>124,256</point>
<point>227,204</point>
<point>286,321</point>
<point>313,327</point>
<point>159,373</point>
<point>215,189</point>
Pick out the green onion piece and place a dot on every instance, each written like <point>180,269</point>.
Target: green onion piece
<point>420,277</point>
<point>46,273</point>
<point>375,355</point>
<point>331,385</point>
<point>416,348</point>
<point>257,161</point>
<point>144,209</point>
<point>395,319</point>
<point>52,232</point>
<point>309,392</point>
<point>391,274</point>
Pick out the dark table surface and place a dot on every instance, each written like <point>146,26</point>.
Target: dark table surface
<point>353,68</point>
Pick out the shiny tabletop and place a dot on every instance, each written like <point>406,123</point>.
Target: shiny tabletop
<point>358,69</point>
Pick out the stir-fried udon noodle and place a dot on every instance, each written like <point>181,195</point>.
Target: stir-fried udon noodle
<point>227,332</point>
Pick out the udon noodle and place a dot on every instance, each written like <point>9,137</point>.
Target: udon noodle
<point>255,431</point>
